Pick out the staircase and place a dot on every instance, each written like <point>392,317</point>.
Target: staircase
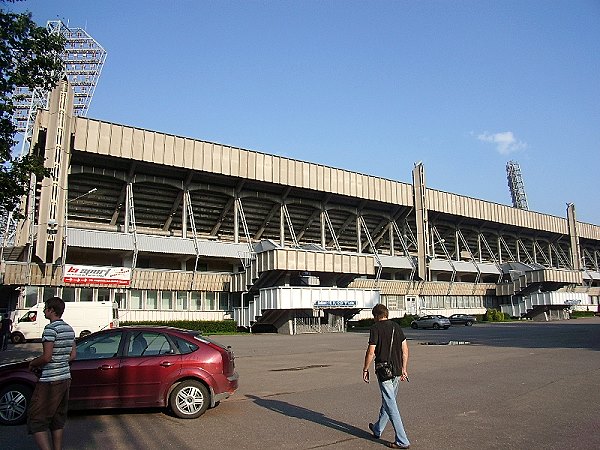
<point>535,304</point>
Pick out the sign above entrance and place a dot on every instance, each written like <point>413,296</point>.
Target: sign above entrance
<point>335,304</point>
<point>117,276</point>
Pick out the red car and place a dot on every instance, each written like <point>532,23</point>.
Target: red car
<point>133,367</point>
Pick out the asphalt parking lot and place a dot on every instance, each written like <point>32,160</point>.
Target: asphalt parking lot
<point>516,385</point>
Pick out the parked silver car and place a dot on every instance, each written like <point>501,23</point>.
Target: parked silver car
<point>434,321</point>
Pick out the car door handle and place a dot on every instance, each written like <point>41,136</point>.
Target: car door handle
<point>166,364</point>
<point>105,367</point>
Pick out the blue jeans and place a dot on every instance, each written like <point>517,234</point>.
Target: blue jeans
<point>389,411</point>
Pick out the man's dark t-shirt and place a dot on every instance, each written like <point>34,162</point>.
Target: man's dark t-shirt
<point>381,336</point>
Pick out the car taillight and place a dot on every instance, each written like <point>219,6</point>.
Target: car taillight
<point>228,362</point>
<point>112,325</point>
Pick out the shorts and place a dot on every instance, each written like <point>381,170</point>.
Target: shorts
<point>48,406</point>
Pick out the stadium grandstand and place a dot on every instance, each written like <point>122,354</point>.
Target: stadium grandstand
<point>174,228</point>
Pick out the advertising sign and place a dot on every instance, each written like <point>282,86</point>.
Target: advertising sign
<point>116,276</point>
<point>335,304</point>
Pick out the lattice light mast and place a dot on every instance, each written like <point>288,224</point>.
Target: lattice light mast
<point>83,59</point>
<point>516,186</point>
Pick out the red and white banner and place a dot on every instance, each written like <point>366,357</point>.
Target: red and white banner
<point>118,276</point>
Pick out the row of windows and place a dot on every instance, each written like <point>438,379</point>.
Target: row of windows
<point>175,300</point>
<point>398,302</point>
<point>455,301</point>
<point>135,298</point>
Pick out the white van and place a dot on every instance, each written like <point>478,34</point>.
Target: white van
<point>84,317</point>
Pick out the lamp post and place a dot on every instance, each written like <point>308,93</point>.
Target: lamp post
<point>64,244</point>
<point>83,195</point>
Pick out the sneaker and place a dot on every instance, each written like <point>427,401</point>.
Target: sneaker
<point>394,445</point>
<point>372,428</point>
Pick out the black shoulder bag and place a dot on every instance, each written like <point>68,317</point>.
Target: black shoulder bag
<point>385,370</point>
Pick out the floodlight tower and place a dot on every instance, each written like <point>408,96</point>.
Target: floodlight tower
<point>516,186</point>
<point>83,59</point>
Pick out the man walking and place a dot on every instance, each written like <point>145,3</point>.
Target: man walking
<point>6,330</point>
<point>387,343</point>
<point>49,402</point>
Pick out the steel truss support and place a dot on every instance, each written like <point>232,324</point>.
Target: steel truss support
<point>538,249</point>
<point>521,246</point>
<point>593,259</point>
<point>288,220</point>
<point>502,244</point>
<point>409,235</point>
<point>192,222</point>
<point>362,223</point>
<point>563,259</point>
<point>308,223</point>
<point>442,242</point>
<point>331,231</point>
<point>130,226</point>
<point>246,260</point>
<point>466,245</point>
<point>481,238</point>
<point>404,245</point>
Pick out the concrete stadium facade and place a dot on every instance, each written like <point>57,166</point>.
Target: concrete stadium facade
<point>177,228</point>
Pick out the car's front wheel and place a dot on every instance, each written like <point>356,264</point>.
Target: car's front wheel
<point>468,323</point>
<point>189,400</point>
<point>14,402</point>
<point>436,326</point>
<point>17,338</point>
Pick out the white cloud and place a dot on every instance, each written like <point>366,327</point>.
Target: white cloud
<point>506,142</point>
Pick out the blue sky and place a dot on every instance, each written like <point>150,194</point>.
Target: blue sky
<point>369,86</point>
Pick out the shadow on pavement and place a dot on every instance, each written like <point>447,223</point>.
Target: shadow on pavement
<point>298,412</point>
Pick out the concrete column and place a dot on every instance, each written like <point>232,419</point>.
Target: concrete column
<point>574,236</point>
<point>419,191</point>
<point>53,193</point>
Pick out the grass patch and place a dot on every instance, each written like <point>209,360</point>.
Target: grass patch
<point>576,314</point>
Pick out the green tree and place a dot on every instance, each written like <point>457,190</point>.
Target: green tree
<point>29,57</point>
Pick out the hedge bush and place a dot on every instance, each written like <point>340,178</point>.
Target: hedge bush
<point>204,326</point>
<point>493,315</point>
<point>366,323</point>
<point>404,321</point>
